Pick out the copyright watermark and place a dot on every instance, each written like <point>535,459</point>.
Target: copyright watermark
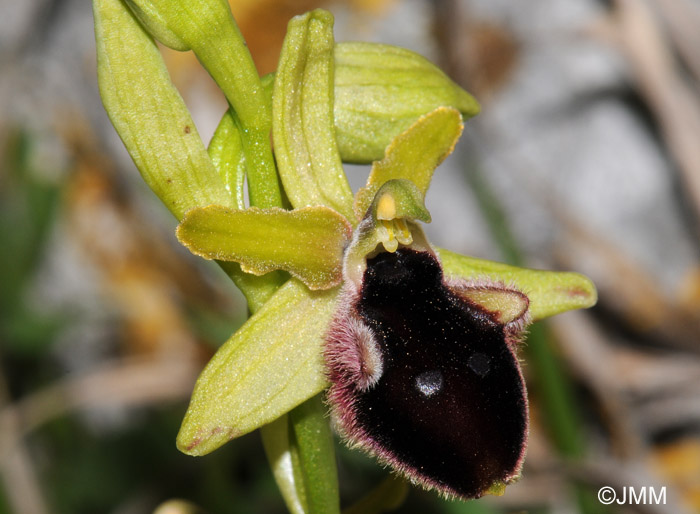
<point>632,495</point>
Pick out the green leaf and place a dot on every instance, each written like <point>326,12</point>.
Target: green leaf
<point>414,154</point>
<point>308,242</point>
<point>305,148</point>
<point>209,30</point>
<point>149,114</point>
<point>549,292</point>
<point>272,364</point>
<point>380,91</point>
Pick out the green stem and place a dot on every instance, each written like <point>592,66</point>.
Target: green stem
<point>299,447</point>
<point>236,75</point>
<point>209,30</point>
<point>315,456</point>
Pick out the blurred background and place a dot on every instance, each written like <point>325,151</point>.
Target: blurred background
<point>586,157</point>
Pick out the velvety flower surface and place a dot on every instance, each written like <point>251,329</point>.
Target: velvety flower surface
<point>426,378</point>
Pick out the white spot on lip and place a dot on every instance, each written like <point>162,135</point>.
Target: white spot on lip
<point>430,382</point>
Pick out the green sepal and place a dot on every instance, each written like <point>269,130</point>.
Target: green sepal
<point>308,242</point>
<point>380,91</point>
<point>303,130</point>
<point>269,366</point>
<point>149,114</point>
<point>149,14</point>
<point>549,292</point>
<point>414,154</point>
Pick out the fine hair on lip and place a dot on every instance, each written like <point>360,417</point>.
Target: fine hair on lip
<point>426,378</point>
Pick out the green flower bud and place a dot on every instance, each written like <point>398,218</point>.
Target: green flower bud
<point>380,90</point>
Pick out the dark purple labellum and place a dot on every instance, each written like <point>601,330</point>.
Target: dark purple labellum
<point>427,379</point>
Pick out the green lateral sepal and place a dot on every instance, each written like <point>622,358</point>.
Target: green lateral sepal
<point>269,366</point>
<point>549,292</point>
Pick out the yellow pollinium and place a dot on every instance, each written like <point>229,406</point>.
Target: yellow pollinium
<point>393,232</point>
<point>386,207</point>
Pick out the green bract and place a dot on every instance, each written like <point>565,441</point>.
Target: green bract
<point>352,102</point>
<point>149,114</point>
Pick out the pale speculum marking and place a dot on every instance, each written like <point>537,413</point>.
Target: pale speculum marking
<point>430,382</point>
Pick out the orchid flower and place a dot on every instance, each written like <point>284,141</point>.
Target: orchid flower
<point>416,346</point>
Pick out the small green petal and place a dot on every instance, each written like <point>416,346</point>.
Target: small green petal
<point>305,148</point>
<point>414,154</point>
<point>149,114</point>
<point>549,292</point>
<point>380,90</point>
<point>308,242</point>
<point>271,365</point>
<point>228,158</point>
